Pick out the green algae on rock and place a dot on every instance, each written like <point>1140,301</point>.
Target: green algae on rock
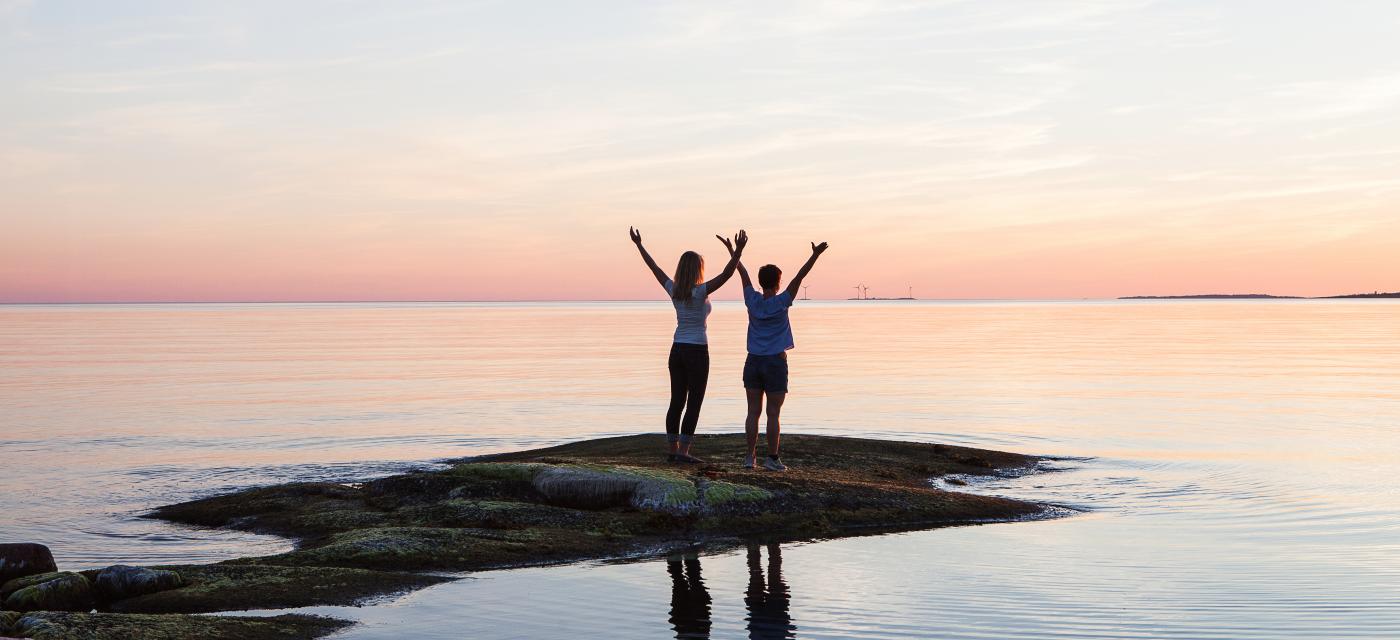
<point>29,581</point>
<point>49,625</point>
<point>231,587</point>
<point>8,620</point>
<point>62,592</point>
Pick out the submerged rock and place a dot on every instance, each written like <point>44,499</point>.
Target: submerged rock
<point>119,582</point>
<point>63,592</point>
<point>18,560</point>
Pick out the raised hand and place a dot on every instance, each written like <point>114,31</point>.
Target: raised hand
<point>727,245</point>
<point>635,235</point>
<point>741,239</point>
<point>817,249</point>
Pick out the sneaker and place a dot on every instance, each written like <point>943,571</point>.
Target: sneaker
<point>748,462</point>
<point>774,464</point>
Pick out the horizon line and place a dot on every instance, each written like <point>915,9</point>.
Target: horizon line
<point>601,300</point>
<point>522,300</point>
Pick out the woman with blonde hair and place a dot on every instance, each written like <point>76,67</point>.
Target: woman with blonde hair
<point>689,362</point>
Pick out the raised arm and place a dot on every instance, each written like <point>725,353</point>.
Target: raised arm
<point>744,276</point>
<point>646,257</point>
<point>736,249</point>
<point>796,284</point>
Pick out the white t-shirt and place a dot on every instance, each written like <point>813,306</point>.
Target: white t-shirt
<point>691,314</point>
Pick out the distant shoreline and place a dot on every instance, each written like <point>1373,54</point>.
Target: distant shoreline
<point>1261,296</point>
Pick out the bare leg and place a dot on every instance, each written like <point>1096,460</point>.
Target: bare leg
<point>775,407</point>
<point>751,421</point>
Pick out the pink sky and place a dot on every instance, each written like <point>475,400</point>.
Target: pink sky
<point>1012,150</point>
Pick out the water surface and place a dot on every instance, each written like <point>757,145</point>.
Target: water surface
<point>1235,458</point>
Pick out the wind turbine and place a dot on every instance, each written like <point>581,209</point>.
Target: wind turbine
<point>864,292</point>
<point>804,292</point>
<point>858,289</point>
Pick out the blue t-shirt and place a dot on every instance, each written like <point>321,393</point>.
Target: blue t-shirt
<point>770,333</point>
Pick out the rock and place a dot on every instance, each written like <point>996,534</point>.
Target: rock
<point>29,581</point>
<point>66,592</point>
<point>586,500</point>
<point>50,625</point>
<point>8,620</point>
<point>601,487</point>
<point>18,560</point>
<point>119,582</point>
<point>223,587</point>
<point>718,493</point>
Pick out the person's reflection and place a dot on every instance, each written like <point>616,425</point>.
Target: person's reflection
<point>690,602</point>
<point>768,603</point>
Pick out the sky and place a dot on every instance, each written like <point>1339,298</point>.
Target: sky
<point>346,150</point>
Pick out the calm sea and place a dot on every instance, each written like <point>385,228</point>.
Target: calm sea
<point>1237,462</point>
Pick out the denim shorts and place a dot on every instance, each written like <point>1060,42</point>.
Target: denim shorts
<point>767,373</point>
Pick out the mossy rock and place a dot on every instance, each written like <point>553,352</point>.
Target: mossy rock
<point>66,592</point>
<point>720,493</point>
<point>231,587</point>
<point>29,581</point>
<point>8,620</point>
<point>494,514</point>
<point>592,499</point>
<point>341,520</point>
<point>120,582</point>
<point>48,625</point>
<point>508,471</point>
<point>604,486</point>
<point>267,509</point>
<point>410,548</point>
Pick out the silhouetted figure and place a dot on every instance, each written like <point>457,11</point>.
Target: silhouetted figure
<point>767,602</point>
<point>689,362</point>
<point>690,602</point>
<point>770,337</point>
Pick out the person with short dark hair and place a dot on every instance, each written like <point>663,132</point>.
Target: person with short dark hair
<point>770,337</point>
<point>689,362</point>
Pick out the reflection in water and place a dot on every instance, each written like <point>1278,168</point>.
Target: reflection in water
<point>767,603</point>
<point>690,602</point>
<point>765,600</point>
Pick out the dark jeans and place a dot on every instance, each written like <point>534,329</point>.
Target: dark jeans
<point>690,371</point>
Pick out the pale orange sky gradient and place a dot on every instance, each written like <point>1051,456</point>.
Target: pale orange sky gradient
<point>437,151</point>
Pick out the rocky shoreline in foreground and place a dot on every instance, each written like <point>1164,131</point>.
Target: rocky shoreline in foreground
<point>594,499</point>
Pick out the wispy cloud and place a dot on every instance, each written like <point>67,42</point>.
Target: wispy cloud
<point>1025,128</point>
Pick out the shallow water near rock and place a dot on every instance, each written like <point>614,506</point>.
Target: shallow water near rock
<point>1235,460</point>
